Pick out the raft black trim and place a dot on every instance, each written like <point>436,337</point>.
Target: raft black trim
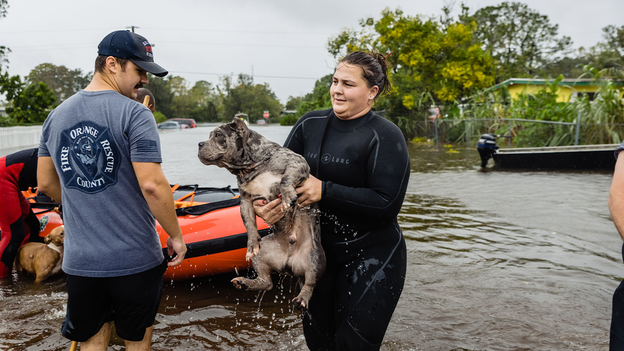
<point>214,246</point>
<point>205,208</point>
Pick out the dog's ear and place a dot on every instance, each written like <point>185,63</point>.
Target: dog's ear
<point>240,128</point>
<point>239,125</point>
<point>47,239</point>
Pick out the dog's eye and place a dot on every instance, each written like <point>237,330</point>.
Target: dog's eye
<point>218,135</point>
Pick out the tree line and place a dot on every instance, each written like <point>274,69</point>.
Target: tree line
<point>446,61</point>
<point>30,99</point>
<point>450,62</point>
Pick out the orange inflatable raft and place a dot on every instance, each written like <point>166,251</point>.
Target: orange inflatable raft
<point>210,219</point>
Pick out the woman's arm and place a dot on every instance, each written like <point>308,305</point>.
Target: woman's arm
<point>616,197</point>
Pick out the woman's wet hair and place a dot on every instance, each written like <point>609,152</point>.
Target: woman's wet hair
<point>374,69</point>
<point>100,63</point>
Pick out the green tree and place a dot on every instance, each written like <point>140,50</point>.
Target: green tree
<point>318,99</point>
<point>520,39</point>
<point>294,102</point>
<point>4,51</point>
<point>163,94</point>
<point>431,62</point>
<point>28,104</point>
<point>614,39</point>
<point>543,106</point>
<point>202,101</point>
<point>61,80</point>
<point>608,55</point>
<point>247,97</point>
<point>174,98</point>
<point>4,5</point>
<point>181,102</point>
<point>568,66</point>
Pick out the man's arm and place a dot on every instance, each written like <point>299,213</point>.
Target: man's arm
<point>157,193</point>
<point>616,197</point>
<point>48,181</point>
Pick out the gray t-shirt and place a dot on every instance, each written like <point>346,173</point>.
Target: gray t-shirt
<point>617,151</point>
<point>93,138</point>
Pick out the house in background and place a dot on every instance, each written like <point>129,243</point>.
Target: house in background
<point>569,89</point>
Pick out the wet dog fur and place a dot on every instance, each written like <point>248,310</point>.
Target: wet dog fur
<point>264,170</point>
<point>43,260</point>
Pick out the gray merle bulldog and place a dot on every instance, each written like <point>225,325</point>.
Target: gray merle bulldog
<point>264,170</point>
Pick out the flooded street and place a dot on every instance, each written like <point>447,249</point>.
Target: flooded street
<point>497,260</point>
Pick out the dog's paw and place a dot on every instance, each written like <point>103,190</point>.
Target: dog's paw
<point>300,303</point>
<point>238,283</point>
<point>251,252</point>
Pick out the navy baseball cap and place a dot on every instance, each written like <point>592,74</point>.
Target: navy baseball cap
<point>127,45</point>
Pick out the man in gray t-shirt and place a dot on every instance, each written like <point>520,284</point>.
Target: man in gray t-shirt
<point>99,156</point>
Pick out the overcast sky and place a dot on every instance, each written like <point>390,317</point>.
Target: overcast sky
<point>283,43</point>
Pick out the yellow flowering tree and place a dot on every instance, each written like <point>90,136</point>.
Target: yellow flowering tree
<point>431,63</point>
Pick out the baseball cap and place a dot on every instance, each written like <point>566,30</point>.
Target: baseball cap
<point>127,45</point>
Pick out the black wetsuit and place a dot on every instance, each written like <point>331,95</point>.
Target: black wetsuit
<point>364,166</point>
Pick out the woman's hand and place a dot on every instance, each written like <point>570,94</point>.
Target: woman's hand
<point>270,212</point>
<point>310,191</point>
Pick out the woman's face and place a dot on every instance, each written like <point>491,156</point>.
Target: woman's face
<point>350,95</point>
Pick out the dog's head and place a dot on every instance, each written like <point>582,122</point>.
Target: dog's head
<point>56,236</point>
<point>226,146</point>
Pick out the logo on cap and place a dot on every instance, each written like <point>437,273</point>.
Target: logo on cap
<point>148,49</point>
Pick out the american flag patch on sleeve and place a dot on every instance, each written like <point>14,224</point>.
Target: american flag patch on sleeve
<point>146,146</point>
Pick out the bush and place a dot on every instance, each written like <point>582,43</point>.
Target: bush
<point>288,120</point>
<point>160,117</point>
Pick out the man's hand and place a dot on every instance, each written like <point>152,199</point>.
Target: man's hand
<point>177,246</point>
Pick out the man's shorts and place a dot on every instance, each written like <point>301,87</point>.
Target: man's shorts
<point>130,301</point>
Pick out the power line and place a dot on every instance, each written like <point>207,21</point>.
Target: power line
<point>229,74</point>
<point>237,31</point>
<point>165,29</point>
<point>51,46</point>
<point>240,44</point>
<point>55,47</point>
<point>74,46</point>
<point>54,31</point>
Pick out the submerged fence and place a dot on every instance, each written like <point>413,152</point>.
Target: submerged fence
<point>16,137</point>
<point>520,132</point>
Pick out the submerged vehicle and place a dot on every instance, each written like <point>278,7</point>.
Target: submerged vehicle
<point>243,116</point>
<point>210,219</point>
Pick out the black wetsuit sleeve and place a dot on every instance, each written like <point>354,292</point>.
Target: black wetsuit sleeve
<point>388,167</point>
<point>294,141</point>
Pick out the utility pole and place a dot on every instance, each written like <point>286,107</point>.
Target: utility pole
<point>132,28</point>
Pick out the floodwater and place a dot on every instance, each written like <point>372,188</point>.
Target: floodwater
<point>497,260</point>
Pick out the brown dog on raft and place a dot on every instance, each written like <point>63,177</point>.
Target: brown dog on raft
<point>264,170</point>
<point>42,260</point>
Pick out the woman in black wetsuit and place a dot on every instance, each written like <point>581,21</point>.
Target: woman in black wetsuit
<point>359,168</point>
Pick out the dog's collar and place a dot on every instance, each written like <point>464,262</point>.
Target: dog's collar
<point>54,247</point>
